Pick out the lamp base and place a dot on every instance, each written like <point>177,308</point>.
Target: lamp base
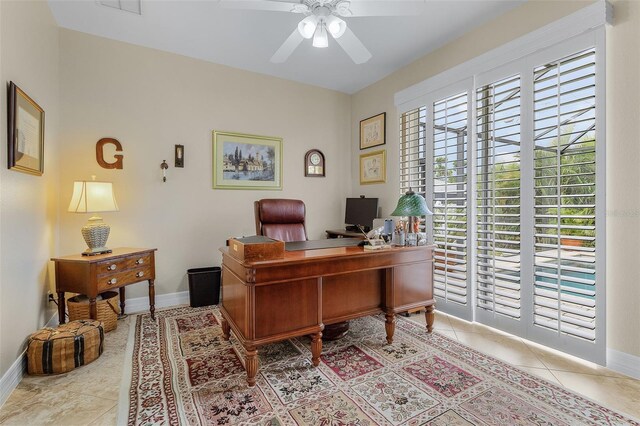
<point>95,234</point>
<point>96,251</point>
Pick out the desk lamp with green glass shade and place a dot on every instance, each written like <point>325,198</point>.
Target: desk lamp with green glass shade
<point>94,197</point>
<point>411,205</point>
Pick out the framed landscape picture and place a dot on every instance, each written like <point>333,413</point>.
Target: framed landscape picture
<point>242,161</point>
<point>373,167</point>
<point>25,133</point>
<point>372,131</point>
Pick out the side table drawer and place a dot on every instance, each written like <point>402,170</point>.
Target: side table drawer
<point>111,267</point>
<point>115,280</point>
<point>137,261</point>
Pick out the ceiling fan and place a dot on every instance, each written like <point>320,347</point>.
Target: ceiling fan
<point>324,18</point>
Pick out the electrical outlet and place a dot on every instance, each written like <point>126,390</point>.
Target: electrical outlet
<point>51,299</point>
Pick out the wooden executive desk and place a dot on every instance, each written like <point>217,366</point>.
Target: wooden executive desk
<point>268,301</point>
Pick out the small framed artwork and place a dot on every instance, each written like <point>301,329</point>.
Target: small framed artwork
<point>314,163</point>
<point>25,133</point>
<point>242,161</point>
<point>372,131</point>
<point>373,167</point>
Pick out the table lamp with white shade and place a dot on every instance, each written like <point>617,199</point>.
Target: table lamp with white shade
<point>94,197</point>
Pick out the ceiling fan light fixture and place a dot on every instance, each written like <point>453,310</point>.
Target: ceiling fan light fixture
<point>307,27</point>
<point>320,38</point>
<point>336,26</point>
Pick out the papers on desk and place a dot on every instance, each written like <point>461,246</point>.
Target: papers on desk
<point>377,247</point>
<point>376,244</point>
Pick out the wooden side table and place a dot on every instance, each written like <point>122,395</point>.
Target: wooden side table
<point>92,275</point>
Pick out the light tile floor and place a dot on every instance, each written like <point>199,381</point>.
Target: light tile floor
<point>89,395</point>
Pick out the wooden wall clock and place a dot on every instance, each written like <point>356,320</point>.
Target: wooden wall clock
<point>314,163</point>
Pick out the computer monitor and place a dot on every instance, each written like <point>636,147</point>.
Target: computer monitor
<point>360,211</point>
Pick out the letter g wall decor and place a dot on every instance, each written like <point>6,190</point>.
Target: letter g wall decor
<point>100,154</point>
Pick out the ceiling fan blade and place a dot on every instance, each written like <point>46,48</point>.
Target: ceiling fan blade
<point>354,47</point>
<point>268,5</point>
<point>386,8</point>
<point>287,48</point>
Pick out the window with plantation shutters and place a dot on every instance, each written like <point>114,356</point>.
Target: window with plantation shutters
<point>449,198</point>
<point>565,195</point>
<point>518,201</point>
<point>498,197</point>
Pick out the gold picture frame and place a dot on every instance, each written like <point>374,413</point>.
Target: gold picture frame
<point>243,161</point>
<point>373,167</point>
<point>373,131</point>
<point>25,133</point>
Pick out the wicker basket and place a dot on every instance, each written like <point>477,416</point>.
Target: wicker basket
<point>106,307</point>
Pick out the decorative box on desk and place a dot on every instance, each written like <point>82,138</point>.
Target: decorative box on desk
<point>92,275</point>
<point>255,248</point>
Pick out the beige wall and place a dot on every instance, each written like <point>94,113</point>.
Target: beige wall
<point>28,204</point>
<point>150,101</point>
<point>623,149</point>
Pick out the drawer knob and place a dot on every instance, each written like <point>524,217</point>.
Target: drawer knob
<point>112,267</point>
<point>139,274</point>
<point>112,281</point>
<point>139,261</point>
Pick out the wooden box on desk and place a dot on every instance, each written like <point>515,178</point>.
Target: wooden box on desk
<point>256,247</point>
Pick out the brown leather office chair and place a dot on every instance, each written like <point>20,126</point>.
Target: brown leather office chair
<point>281,219</point>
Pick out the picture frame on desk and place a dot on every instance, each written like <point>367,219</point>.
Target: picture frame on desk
<point>243,161</point>
<point>25,133</point>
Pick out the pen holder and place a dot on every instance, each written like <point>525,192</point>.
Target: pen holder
<point>398,238</point>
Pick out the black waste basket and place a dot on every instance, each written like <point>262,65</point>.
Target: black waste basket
<point>204,286</point>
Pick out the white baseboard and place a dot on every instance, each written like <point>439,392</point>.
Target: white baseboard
<point>624,363</point>
<point>12,378</point>
<point>141,304</point>
<point>14,374</point>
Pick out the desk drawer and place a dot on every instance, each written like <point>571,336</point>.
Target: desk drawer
<point>123,264</point>
<point>118,279</point>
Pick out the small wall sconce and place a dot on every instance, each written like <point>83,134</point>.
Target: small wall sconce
<point>164,166</point>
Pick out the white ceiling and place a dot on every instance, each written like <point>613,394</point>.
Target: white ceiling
<point>247,39</point>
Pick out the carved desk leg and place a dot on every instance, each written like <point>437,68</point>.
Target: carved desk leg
<point>226,329</point>
<point>251,365</point>
<point>122,299</point>
<point>61,308</point>
<point>430,317</point>
<point>390,326</point>
<point>152,300</point>
<point>93,308</point>
<point>316,348</point>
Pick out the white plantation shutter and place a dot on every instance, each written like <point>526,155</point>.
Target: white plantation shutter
<point>565,195</point>
<point>449,198</point>
<point>498,239</point>
<point>412,151</point>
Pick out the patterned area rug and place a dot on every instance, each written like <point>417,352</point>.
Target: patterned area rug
<point>183,372</point>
